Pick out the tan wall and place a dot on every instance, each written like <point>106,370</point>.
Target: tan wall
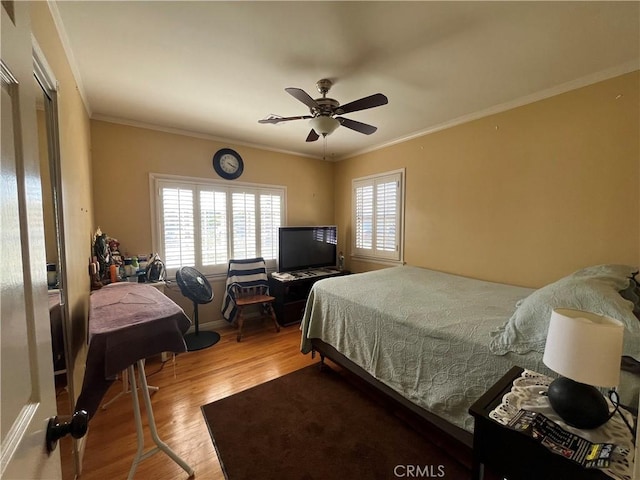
<point>75,153</point>
<point>525,196</point>
<point>123,157</point>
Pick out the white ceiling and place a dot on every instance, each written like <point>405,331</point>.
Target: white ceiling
<point>216,68</point>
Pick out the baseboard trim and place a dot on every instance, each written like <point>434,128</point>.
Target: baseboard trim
<point>211,326</point>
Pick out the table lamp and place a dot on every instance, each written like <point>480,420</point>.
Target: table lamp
<point>585,349</point>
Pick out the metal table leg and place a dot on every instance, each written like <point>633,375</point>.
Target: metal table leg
<point>125,390</point>
<point>160,445</point>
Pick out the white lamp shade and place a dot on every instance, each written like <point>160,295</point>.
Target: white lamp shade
<point>584,347</point>
<point>324,125</point>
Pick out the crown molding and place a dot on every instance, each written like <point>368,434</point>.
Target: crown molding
<point>587,80</point>
<point>71,59</point>
<point>187,133</point>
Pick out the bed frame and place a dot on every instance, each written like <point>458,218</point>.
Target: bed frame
<point>327,351</point>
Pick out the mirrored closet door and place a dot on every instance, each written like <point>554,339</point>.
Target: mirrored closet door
<point>49,152</point>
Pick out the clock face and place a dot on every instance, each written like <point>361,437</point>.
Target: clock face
<point>228,163</point>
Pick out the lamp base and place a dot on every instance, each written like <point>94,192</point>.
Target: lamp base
<point>579,405</point>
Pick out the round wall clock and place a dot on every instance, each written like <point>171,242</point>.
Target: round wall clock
<point>228,163</point>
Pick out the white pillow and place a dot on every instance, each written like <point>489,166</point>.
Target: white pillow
<point>593,289</point>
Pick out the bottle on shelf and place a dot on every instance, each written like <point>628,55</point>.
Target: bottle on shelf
<point>113,273</point>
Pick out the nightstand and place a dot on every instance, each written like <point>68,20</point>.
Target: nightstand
<point>512,454</point>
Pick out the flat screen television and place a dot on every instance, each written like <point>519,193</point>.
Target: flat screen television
<point>302,248</point>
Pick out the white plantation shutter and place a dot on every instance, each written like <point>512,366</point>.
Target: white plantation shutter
<point>204,223</point>
<point>377,216</point>
<point>270,220</point>
<point>178,225</point>
<point>387,216</point>
<point>213,227</point>
<point>364,216</point>
<point>243,208</point>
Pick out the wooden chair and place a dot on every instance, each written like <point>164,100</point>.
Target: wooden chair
<point>247,285</point>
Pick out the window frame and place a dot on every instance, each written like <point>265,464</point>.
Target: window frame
<point>374,255</point>
<point>158,180</point>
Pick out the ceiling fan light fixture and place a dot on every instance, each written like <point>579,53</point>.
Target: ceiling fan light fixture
<point>324,125</point>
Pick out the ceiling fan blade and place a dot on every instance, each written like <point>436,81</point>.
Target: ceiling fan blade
<point>303,96</point>
<point>313,136</point>
<point>357,126</point>
<point>277,119</point>
<point>371,101</point>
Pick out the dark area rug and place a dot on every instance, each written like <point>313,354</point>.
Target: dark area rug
<point>316,424</point>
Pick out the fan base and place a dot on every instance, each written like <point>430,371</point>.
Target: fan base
<point>200,340</point>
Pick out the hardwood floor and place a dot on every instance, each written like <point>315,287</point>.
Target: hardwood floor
<point>196,378</point>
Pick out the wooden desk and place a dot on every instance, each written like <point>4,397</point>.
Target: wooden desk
<point>129,322</point>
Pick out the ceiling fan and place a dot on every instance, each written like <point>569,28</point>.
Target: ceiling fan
<point>325,112</point>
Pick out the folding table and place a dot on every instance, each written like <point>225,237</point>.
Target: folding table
<point>129,322</point>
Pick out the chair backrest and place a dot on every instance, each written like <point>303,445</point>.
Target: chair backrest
<point>244,275</point>
<point>239,291</point>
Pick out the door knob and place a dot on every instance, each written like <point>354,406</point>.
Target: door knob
<point>76,426</point>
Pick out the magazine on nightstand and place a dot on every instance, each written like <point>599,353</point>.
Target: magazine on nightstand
<point>562,442</point>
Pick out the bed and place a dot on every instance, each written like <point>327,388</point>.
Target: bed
<point>436,342</point>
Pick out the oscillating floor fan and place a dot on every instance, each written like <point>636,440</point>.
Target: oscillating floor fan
<point>197,288</point>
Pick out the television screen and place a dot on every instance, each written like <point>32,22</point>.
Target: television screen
<point>303,248</point>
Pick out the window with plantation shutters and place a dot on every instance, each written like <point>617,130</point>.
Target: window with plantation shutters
<point>178,223</point>
<point>364,216</point>
<point>204,224</point>
<point>243,208</point>
<point>270,219</point>
<point>213,227</point>
<point>377,216</point>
